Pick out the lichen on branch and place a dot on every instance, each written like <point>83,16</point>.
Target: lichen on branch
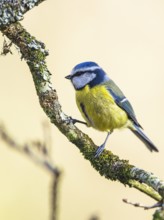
<point>13,10</point>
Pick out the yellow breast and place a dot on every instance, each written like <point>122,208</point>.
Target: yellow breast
<point>99,109</point>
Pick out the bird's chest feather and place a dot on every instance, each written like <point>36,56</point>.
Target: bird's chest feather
<point>99,109</point>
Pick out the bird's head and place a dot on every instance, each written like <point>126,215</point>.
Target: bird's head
<point>87,73</point>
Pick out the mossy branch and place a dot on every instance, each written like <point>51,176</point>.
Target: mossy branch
<point>13,10</point>
<point>107,164</point>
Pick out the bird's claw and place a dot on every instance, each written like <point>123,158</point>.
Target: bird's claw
<point>70,120</point>
<point>99,150</point>
<point>73,121</point>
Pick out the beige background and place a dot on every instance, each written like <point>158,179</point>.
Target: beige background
<point>127,39</point>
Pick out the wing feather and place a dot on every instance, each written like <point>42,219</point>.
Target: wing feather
<point>121,100</point>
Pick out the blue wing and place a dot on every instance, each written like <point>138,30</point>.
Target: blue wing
<point>121,100</point>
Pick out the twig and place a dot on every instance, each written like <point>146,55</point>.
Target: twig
<point>37,156</point>
<point>6,48</point>
<point>158,204</point>
<point>54,197</point>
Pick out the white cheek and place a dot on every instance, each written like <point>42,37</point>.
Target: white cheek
<point>82,80</point>
<point>78,82</point>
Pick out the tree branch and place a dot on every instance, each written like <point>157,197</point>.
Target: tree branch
<point>13,10</point>
<point>107,164</point>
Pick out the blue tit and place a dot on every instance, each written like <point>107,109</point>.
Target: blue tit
<point>102,104</point>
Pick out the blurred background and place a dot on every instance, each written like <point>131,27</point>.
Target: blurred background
<point>126,39</point>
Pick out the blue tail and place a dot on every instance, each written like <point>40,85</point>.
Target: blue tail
<point>140,134</point>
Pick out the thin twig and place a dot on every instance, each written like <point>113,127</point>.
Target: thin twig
<point>37,156</point>
<point>54,197</point>
<point>158,204</point>
<point>6,47</point>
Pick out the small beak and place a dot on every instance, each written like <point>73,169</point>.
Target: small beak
<point>68,77</point>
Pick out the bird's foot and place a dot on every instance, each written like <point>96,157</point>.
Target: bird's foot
<point>99,150</point>
<point>73,121</point>
<point>78,121</point>
<point>101,147</point>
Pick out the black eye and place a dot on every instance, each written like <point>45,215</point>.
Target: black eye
<point>82,72</point>
<point>78,73</point>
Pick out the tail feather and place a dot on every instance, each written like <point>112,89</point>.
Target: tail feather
<point>140,134</point>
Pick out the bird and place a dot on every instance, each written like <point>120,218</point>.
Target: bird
<point>102,104</point>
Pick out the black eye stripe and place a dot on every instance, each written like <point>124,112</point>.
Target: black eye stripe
<point>82,72</point>
<point>79,73</point>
